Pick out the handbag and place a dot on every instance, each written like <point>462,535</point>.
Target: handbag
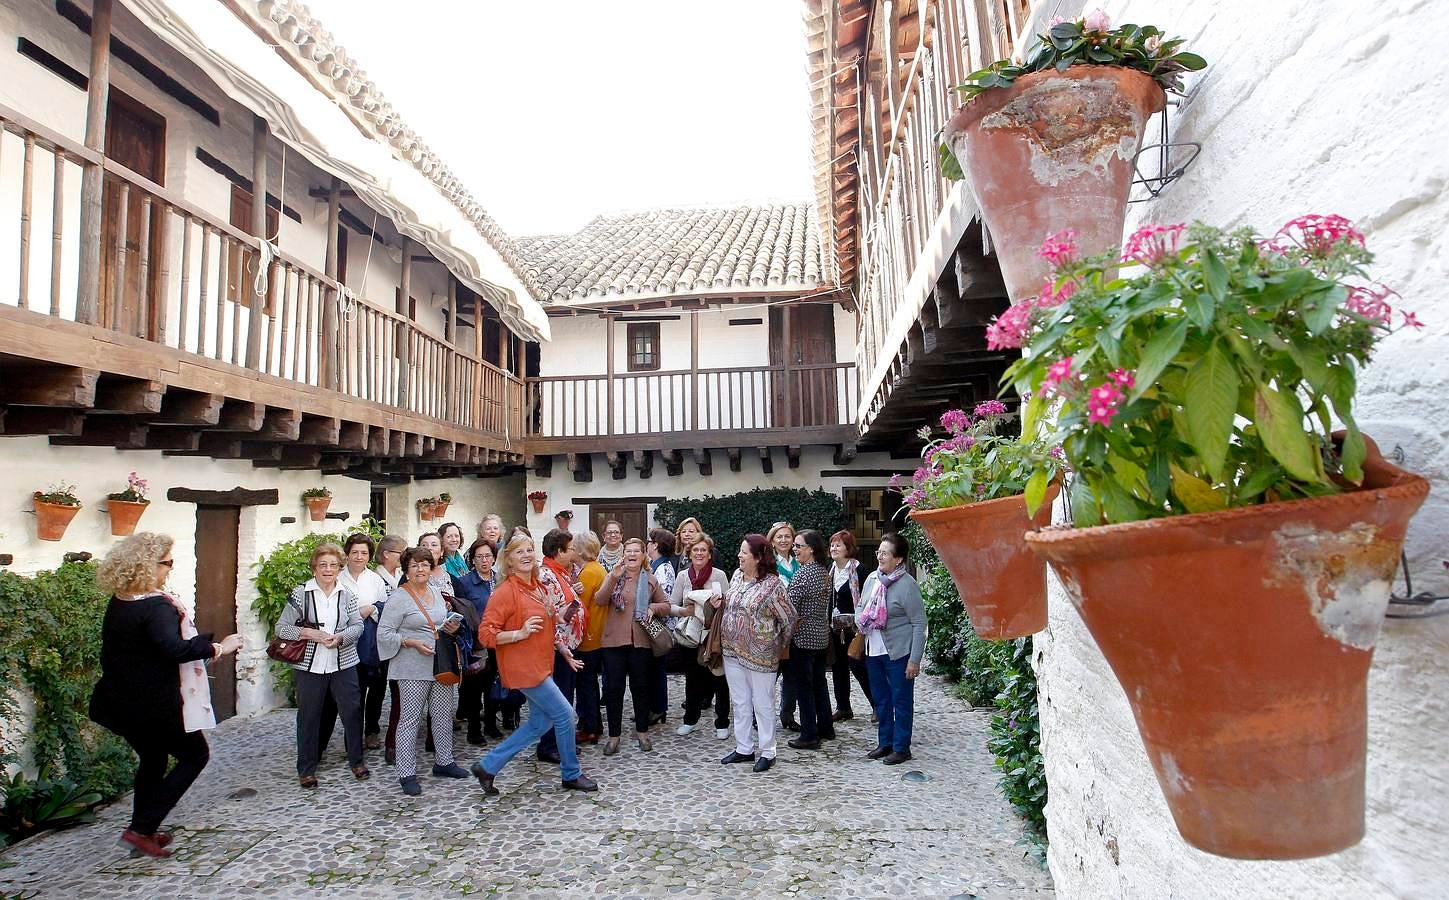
<point>856,650</point>
<point>446,667</point>
<point>290,650</point>
<point>689,631</point>
<point>659,638</point>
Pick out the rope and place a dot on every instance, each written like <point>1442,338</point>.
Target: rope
<point>267,247</point>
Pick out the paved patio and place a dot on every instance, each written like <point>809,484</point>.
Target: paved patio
<point>672,822</point>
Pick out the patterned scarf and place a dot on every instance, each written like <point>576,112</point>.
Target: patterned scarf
<point>872,613</point>
<point>196,711</point>
<point>641,593</point>
<point>564,603</point>
<point>786,566</point>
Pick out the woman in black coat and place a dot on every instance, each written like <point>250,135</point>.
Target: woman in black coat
<point>140,693</point>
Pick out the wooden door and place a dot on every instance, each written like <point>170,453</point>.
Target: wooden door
<point>217,530</point>
<point>633,516</point>
<point>813,392</point>
<point>135,138</point>
<point>240,270</point>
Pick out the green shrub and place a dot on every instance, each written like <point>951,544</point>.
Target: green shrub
<point>50,643</point>
<point>28,807</point>
<point>729,518</point>
<point>280,572</point>
<point>1016,734</point>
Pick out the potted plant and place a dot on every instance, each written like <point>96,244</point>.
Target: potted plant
<point>1231,553</point>
<point>1048,143</point>
<point>317,500</point>
<point>537,498</point>
<point>427,508</point>
<point>970,496</point>
<point>440,505</point>
<point>125,507</point>
<point>54,508</point>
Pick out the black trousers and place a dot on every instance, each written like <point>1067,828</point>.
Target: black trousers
<point>787,691</point>
<point>627,665</point>
<point>586,691</point>
<point>567,680</point>
<point>373,685</point>
<point>471,692</point>
<point>701,686</point>
<point>843,668</point>
<point>158,791</point>
<point>807,671</point>
<point>342,687</point>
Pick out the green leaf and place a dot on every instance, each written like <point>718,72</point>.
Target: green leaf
<point>1197,495</point>
<point>950,165</point>
<point>1258,481</point>
<point>1279,420</point>
<point>1210,399</point>
<point>1116,502</point>
<point>1190,61</point>
<point>1031,414</point>
<point>1353,452</point>
<point>1159,351</point>
<point>1085,511</point>
<point>1321,306</point>
<point>1200,307</point>
<point>1215,274</point>
<point>1036,488</point>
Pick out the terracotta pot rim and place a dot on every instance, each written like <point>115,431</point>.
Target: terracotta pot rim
<point>36,499</point>
<point>130,502</point>
<point>980,507</point>
<point>1406,485</point>
<point>989,102</point>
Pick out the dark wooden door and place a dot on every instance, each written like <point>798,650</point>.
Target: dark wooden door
<point>811,381</point>
<point>633,516</point>
<point>216,567</point>
<point>135,138</point>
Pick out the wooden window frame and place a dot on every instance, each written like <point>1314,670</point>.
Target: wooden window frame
<point>642,331</point>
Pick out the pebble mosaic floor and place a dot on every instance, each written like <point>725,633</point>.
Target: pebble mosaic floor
<point>673,822</point>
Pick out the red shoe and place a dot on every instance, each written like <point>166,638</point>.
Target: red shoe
<point>163,838</point>
<point>146,843</point>
<point>586,737</point>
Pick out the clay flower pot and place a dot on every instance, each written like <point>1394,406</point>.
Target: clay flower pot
<point>52,519</point>
<point>425,510</point>
<point>537,503</point>
<point>440,508</point>
<point>1051,152</point>
<point>1001,582</point>
<point>1243,640</point>
<point>124,516</point>
<point>317,507</point>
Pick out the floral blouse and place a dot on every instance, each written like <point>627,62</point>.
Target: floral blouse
<point>757,621</point>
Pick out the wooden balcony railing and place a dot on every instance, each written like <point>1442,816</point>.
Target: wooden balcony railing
<point>739,399</point>
<point>182,278</point>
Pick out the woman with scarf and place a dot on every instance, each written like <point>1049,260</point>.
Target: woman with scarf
<point>455,563</point>
<point>522,625</point>
<point>659,551</point>
<point>845,581</point>
<point>556,576</point>
<point>153,689</point>
<point>782,542</point>
<point>694,587</point>
<point>629,597</point>
<point>893,619</point>
<point>612,551</point>
<point>490,529</point>
<point>810,595</point>
<point>754,629</point>
<point>371,591</point>
<point>474,588</point>
<point>440,580</point>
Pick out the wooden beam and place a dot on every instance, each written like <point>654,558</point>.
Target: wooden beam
<point>29,420</point>
<point>242,416</point>
<point>543,466</point>
<point>673,462</point>
<point>844,453</point>
<point>609,371</point>
<point>50,386</point>
<point>767,463</point>
<point>413,445</point>
<point>190,408</point>
<point>643,462</point>
<point>259,227</point>
<point>693,372</point>
<point>264,451</point>
<point>353,436</point>
<point>703,460</point>
<point>329,298</point>
<point>297,457</point>
<point>282,425</point>
<point>129,396</point>
<point>106,431</point>
<point>734,456</point>
<point>98,90</point>
<point>379,442</point>
<point>322,430</point>
<point>234,497</point>
<point>163,438</point>
<point>792,456</point>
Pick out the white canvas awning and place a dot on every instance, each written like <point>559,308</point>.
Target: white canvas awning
<point>254,74</point>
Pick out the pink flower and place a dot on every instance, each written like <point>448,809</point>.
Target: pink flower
<point>1096,20</point>
<point>989,408</point>
<point>959,442</point>
<point>1056,20</point>
<point>1317,234</point>
<point>1057,453</point>
<point>1371,303</point>
<point>1008,330</point>
<point>955,421</point>
<point>1154,43</point>
<point>920,475</point>
<point>1059,249</point>
<point>895,483</point>
<point>1151,244</point>
<point>915,498</point>
<point>1052,296</point>
<point>1102,403</point>
<point>1057,373</point>
<point>1410,320</point>
<point>1124,379</point>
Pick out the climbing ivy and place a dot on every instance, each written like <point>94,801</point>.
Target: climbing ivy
<point>727,519</point>
<point>50,647</point>
<point>281,571</point>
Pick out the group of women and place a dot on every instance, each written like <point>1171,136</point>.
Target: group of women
<point>565,626</point>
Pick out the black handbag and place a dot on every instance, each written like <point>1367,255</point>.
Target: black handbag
<point>446,667</point>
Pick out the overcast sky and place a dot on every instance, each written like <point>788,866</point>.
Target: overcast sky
<point>554,112</point>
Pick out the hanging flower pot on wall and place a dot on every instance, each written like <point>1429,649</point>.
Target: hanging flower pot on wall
<point>317,500</point>
<point>537,499</point>
<point>440,505</point>
<point>427,509</point>
<point>53,515</point>
<point>125,514</point>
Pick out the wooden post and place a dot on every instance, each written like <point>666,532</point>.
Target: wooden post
<point>88,286</point>
<point>330,299</point>
<point>259,228</point>
<point>404,338</point>
<point>694,371</point>
<point>785,352</point>
<point>450,358</point>
<point>503,336</point>
<point>452,321</point>
<point>609,370</point>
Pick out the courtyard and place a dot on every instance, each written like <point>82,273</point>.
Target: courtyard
<point>673,822</point>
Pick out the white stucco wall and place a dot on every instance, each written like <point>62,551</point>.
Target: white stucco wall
<point>1307,107</point>
<point>473,498</point>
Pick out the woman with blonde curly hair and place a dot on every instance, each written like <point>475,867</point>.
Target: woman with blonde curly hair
<point>153,690</point>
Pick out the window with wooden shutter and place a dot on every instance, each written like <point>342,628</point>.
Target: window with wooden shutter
<point>643,343</point>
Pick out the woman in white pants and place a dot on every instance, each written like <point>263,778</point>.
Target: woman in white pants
<point>755,626</point>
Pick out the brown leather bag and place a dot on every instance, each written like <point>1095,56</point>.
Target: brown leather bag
<point>856,650</point>
<point>292,651</point>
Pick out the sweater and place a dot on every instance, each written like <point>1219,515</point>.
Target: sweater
<point>402,620</point>
<point>142,650</point>
<point>525,663</point>
<point>810,595</point>
<point>591,578</point>
<point>905,628</point>
<point>620,628</point>
<point>757,621</point>
<point>348,624</point>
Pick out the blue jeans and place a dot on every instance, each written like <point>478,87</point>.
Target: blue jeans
<point>895,700</point>
<point>547,709</point>
<point>567,680</point>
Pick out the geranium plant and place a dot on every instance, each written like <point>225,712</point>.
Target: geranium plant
<point>975,461</point>
<point>135,491</point>
<point>61,494</point>
<point>1210,373</point>
<point>538,495</point>
<point>1086,41</point>
<point>313,492</point>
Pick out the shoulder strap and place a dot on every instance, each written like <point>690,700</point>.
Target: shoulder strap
<point>422,609</point>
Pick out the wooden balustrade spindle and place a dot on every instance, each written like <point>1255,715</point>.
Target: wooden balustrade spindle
<point>57,227</point>
<point>27,191</point>
<point>184,299</point>
<point>143,270</point>
<point>118,297</point>
<point>201,306</point>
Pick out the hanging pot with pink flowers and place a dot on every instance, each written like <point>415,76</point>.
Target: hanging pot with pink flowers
<point>1047,144</point>
<point>125,507</point>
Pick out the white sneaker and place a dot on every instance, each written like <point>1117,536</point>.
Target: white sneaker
<point>685,729</point>
<point>722,733</point>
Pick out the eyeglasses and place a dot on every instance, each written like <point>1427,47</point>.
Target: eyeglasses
<point>799,546</point>
<point>168,563</point>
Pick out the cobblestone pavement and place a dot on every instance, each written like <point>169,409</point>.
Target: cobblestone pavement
<point>671,822</point>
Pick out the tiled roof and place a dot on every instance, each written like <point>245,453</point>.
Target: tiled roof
<point>680,253</point>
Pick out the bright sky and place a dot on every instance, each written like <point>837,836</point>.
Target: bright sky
<point>554,112</point>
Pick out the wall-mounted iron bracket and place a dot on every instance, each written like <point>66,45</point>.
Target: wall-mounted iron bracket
<point>1159,159</point>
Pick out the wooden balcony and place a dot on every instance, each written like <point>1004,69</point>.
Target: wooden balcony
<point>179,345</point>
<point>741,410</point>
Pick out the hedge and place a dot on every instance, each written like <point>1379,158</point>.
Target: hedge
<point>729,518</point>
